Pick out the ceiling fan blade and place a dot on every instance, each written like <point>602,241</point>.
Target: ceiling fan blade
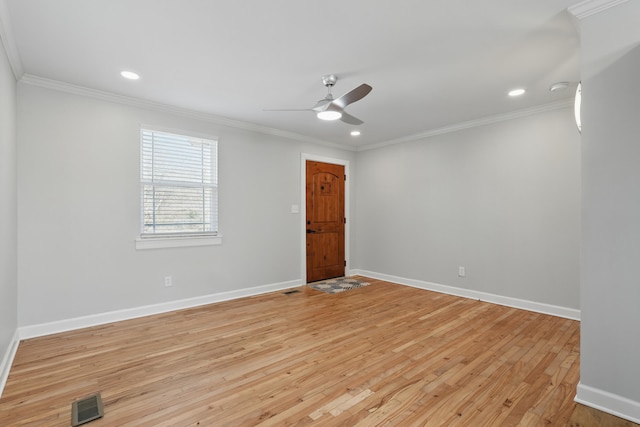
<point>348,118</point>
<point>353,96</point>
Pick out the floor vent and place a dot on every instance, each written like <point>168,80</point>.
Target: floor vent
<point>87,409</point>
<point>293,291</point>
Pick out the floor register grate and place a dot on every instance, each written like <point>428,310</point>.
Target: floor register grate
<point>87,409</point>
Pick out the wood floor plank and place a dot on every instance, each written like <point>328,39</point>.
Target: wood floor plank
<point>385,354</point>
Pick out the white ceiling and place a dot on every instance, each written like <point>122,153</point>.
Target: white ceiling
<point>432,63</point>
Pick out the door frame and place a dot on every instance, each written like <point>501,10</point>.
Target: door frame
<point>303,209</point>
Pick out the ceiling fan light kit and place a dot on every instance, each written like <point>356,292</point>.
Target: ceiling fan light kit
<point>329,115</point>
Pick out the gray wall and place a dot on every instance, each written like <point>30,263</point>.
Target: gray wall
<point>610,288</point>
<point>502,200</point>
<point>8,203</point>
<point>78,191</point>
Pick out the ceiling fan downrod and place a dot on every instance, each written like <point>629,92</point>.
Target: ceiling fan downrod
<point>329,80</point>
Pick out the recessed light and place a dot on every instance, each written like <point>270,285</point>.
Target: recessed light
<point>516,92</point>
<point>129,75</point>
<point>557,87</point>
<point>355,133</point>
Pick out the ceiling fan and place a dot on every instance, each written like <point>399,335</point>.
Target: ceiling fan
<point>333,109</point>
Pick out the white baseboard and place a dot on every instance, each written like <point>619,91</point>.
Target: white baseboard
<point>608,402</point>
<point>33,331</point>
<point>554,310</point>
<point>7,360</point>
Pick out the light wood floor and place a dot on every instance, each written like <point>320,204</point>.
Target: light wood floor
<point>385,354</point>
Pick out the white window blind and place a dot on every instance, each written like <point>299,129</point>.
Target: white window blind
<point>179,184</point>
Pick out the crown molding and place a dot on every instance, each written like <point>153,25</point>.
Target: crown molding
<point>165,108</point>
<point>475,123</point>
<point>591,7</point>
<point>6,35</point>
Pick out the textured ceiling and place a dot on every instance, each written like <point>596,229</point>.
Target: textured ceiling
<point>432,63</point>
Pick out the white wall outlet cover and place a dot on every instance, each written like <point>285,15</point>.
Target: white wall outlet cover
<point>295,209</point>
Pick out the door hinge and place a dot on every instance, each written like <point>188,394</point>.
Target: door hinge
<point>345,177</point>
<point>345,220</point>
<point>345,262</point>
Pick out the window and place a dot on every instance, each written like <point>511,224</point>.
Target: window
<point>179,185</point>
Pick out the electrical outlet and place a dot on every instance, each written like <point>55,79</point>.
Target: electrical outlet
<point>167,281</point>
<point>461,272</point>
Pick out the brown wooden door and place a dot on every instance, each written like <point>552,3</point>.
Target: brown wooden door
<point>325,220</point>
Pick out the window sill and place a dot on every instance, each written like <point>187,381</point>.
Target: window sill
<point>177,242</point>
